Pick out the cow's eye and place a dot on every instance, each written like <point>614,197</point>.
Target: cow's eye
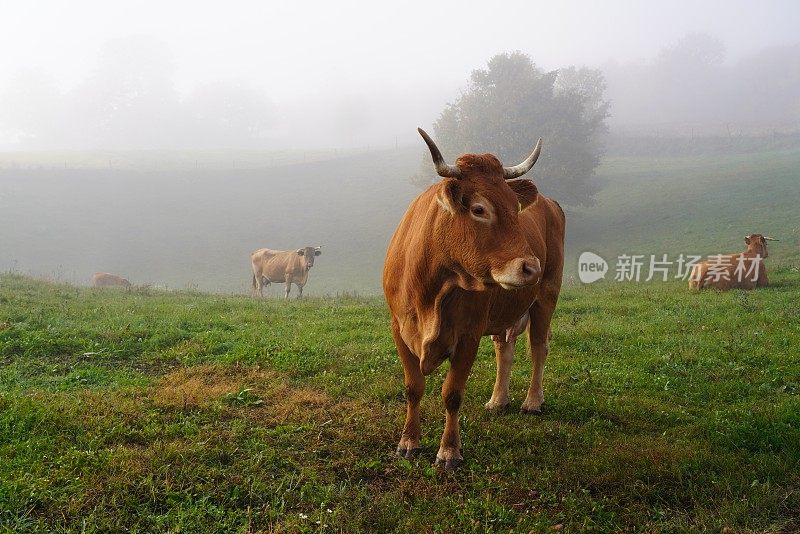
<point>478,210</point>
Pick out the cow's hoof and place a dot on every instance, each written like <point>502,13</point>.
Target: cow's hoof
<point>449,465</point>
<point>449,457</point>
<point>407,447</point>
<point>534,411</point>
<point>408,453</point>
<point>496,406</point>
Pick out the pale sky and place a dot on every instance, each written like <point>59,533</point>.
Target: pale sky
<point>316,52</point>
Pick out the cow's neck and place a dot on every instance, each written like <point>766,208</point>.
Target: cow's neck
<point>299,269</point>
<point>303,276</point>
<point>443,287</point>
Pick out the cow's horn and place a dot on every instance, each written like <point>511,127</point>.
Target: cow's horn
<point>518,170</point>
<point>442,169</point>
<point>771,238</point>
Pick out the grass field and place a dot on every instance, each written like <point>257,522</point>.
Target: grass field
<point>668,411</point>
<point>195,228</point>
<point>692,205</point>
<point>151,411</point>
<point>161,223</point>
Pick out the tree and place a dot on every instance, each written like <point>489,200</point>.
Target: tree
<point>31,108</point>
<point>129,100</point>
<point>229,113</point>
<point>511,103</point>
<point>685,83</point>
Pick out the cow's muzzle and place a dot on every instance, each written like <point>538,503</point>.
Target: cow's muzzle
<point>519,272</point>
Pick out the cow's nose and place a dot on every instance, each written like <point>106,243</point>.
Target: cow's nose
<point>519,272</point>
<point>529,270</point>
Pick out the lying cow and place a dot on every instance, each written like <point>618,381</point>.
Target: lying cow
<point>109,280</point>
<point>282,266</point>
<point>744,270</point>
<point>477,254</point>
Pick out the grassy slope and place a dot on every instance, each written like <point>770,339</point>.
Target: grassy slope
<point>692,205</point>
<point>667,410</point>
<point>197,227</point>
<point>179,226</point>
<point>132,410</point>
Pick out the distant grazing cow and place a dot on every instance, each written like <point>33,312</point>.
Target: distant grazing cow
<point>478,253</point>
<point>282,266</point>
<point>109,280</point>
<point>744,270</point>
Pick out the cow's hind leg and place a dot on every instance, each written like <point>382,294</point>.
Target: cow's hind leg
<point>414,382</point>
<point>504,356</point>
<point>504,345</point>
<point>539,345</point>
<point>264,283</point>
<point>449,454</point>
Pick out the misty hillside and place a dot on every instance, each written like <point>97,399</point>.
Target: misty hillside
<point>196,228</point>
<point>691,205</point>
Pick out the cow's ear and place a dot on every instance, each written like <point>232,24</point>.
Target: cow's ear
<point>317,252</point>
<point>747,240</point>
<point>301,252</point>
<point>451,196</point>
<point>525,190</point>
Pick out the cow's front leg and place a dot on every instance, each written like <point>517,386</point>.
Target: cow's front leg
<point>449,454</point>
<point>288,288</point>
<point>414,382</point>
<point>299,291</point>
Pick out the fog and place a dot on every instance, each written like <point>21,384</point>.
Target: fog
<point>344,74</point>
<point>167,140</point>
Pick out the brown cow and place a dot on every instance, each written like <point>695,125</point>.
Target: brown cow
<point>476,254</point>
<point>109,280</point>
<point>282,266</point>
<point>744,270</point>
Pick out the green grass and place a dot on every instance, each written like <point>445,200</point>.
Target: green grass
<point>691,205</point>
<point>666,411</point>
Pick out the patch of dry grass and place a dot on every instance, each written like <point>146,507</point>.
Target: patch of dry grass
<point>199,386</point>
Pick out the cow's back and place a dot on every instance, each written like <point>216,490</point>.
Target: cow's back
<point>543,223</point>
<point>273,264</point>
<point>108,280</point>
<point>753,275</point>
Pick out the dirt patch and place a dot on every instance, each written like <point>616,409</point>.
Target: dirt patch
<point>278,401</point>
<point>272,401</point>
<point>286,403</point>
<point>199,386</point>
